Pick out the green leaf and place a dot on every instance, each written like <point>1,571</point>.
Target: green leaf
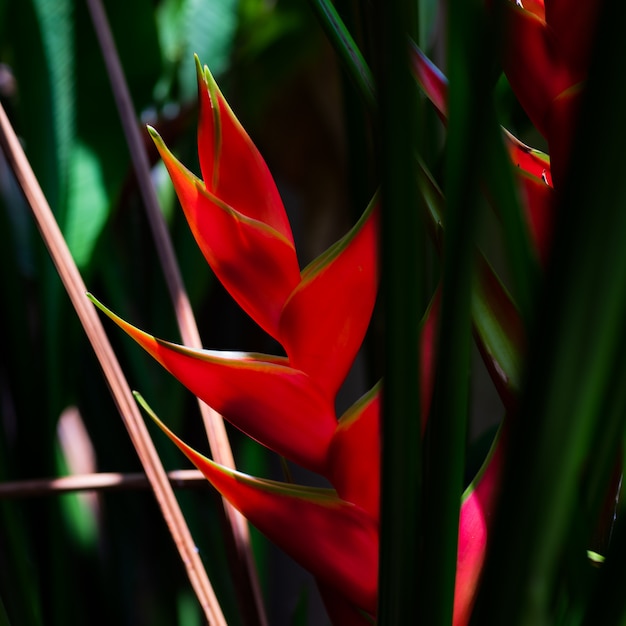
<point>402,568</point>
<point>87,204</point>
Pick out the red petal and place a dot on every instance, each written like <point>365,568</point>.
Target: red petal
<point>269,401</point>
<point>476,511</point>
<point>573,29</point>
<point>334,540</point>
<point>256,264</point>
<point>324,322</point>
<point>530,65</point>
<point>232,167</point>
<point>354,454</point>
<point>537,7</point>
<point>431,80</point>
<point>539,209</point>
<point>528,159</point>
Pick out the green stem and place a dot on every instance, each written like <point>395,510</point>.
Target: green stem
<point>446,435</point>
<point>402,250</point>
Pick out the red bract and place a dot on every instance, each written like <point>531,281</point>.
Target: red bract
<point>256,263</point>
<point>334,539</point>
<point>240,224</point>
<point>326,317</point>
<point>546,58</point>
<point>235,213</point>
<point>533,168</point>
<point>260,394</point>
<point>476,510</point>
<point>232,168</point>
<point>354,454</point>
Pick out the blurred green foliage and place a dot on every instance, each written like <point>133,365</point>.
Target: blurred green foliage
<point>109,559</point>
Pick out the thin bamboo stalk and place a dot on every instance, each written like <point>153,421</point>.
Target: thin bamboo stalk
<point>213,422</point>
<point>120,390</point>
<point>101,481</point>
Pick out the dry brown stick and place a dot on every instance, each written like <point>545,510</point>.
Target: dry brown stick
<point>101,481</point>
<point>120,390</point>
<point>213,422</point>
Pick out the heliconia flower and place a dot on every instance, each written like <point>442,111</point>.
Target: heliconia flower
<point>546,60</point>
<point>287,404</point>
<point>239,223</point>
<point>336,537</point>
<point>260,394</point>
<point>335,540</point>
<point>319,316</point>
<point>534,175</point>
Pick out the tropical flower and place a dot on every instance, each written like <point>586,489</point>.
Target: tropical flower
<point>320,315</point>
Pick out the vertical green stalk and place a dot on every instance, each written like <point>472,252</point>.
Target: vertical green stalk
<point>444,452</point>
<point>400,563</point>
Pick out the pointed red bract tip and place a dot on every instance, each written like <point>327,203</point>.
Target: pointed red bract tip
<point>334,540</point>
<point>477,510</point>
<point>232,167</point>
<point>432,81</point>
